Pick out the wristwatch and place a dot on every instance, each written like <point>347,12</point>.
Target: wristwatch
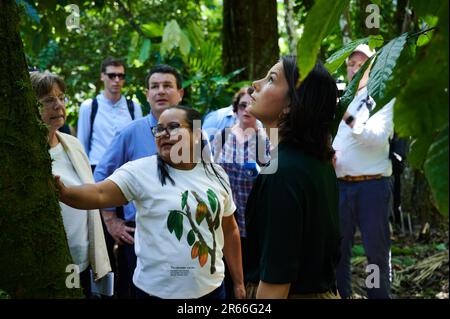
<point>349,120</point>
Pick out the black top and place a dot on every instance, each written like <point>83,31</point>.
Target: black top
<point>293,224</point>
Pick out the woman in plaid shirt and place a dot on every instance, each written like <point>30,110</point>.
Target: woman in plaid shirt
<point>241,150</point>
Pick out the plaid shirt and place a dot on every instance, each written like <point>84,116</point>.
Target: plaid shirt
<point>239,162</point>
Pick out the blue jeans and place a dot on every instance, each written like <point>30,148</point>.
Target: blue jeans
<point>218,293</point>
<point>368,205</point>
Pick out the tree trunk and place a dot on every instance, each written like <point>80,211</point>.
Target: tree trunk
<point>250,37</point>
<point>346,26</point>
<point>33,245</point>
<point>290,26</point>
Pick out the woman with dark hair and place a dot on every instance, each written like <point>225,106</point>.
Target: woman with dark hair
<point>184,219</point>
<point>292,214</point>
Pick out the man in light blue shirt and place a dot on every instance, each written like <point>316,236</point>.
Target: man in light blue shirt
<point>112,114</point>
<point>136,141</point>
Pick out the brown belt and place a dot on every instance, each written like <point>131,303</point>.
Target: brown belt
<point>360,178</point>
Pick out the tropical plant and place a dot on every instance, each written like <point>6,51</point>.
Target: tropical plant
<point>413,68</point>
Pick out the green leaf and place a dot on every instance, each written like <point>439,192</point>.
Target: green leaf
<point>133,48</point>
<point>184,197</point>
<point>145,50</point>
<point>195,34</point>
<point>30,11</point>
<point>191,237</point>
<point>152,29</point>
<point>217,221</point>
<point>375,41</point>
<point>175,223</point>
<point>418,151</point>
<point>422,8</point>
<point>436,170</point>
<point>348,96</point>
<point>212,198</point>
<point>337,58</point>
<point>423,40</point>
<point>320,21</point>
<point>422,104</point>
<point>358,250</point>
<point>171,37</point>
<point>383,67</point>
<point>185,44</point>
<point>171,221</point>
<point>178,225</point>
<point>232,74</point>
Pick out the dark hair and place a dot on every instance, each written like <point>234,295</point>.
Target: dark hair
<point>237,97</point>
<point>191,116</point>
<point>164,68</point>
<point>313,105</point>
<point>111,61</point>
<point>43,82</point>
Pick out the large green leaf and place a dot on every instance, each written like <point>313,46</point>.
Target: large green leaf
<point>145,50</point>
<point>418,151</point>
<point>383,67</point>
<point>171,37</point>
<point>338,57</point>
<point>422,105</point>
<point>422,8</point>
<point>320,21</point>
<point>436,170</point>
<point>349,95</point>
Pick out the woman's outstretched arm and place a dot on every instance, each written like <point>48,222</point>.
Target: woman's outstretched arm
<point>91,196</point>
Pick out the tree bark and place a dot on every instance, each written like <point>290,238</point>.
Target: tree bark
<point>290,27</point>
<point>250,37</point>
<point>33,247</point>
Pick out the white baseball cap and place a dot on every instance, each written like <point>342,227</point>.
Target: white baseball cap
<point>365,49</point>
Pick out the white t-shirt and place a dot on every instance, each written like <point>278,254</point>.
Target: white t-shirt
<point>168,267</point>
<point>74,220</point>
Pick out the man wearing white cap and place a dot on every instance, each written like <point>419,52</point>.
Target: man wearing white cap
<point>364,173</point>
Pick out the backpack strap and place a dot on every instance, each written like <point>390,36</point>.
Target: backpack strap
<point>130,105</point>
<point>94,110</point>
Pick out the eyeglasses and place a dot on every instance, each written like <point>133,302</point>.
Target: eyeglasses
<point>112,76</point>
<point>242,106</point>
<point>52,101</point>
<point>171,129</point>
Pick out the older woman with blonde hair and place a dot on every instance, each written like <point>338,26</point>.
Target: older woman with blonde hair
<point>83,227</point>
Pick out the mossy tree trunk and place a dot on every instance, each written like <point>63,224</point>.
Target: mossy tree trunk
<point>33,247</point>
<point>250,37</point>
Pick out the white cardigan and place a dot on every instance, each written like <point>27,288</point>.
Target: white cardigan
<point>98,254</point>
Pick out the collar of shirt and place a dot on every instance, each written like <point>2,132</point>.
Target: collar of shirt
<point>152,119</point>
<point>105,100</point>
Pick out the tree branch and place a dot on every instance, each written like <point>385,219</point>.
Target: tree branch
<point>131,19</point>
<point>421,32</point>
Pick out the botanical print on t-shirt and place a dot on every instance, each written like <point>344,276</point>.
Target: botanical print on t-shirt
<point>203,214</point>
